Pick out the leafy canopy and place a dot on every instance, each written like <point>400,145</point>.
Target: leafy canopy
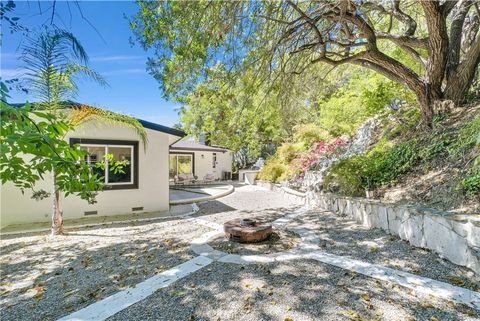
<point>33,145</point>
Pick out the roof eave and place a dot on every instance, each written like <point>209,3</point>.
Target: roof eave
<point>199,149</point>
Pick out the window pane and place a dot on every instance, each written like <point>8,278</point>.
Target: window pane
<point>184,164</point>
<point>96,154</point>
<point>121,154</point>
<point>173,166</point>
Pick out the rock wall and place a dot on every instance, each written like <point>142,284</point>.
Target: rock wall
<point>453,237</point>
<point>289,193</point>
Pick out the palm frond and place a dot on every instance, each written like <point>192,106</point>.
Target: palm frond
<point>76,69</point>
<point>82,114</point>
<point>67,38</point>
<point>53,59</point>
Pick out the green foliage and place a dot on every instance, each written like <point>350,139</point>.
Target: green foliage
<point>273,171</point>
<point>240,115</point>
<point>470,141</point>
<point>54,61</point>
<point>346,177</point>
<point>471,184</point>
<point>397,153</point>
<point>468,137</point>
<point>408,119</point>
<point>380,166</point>
<point>365,95</point>
<point>289,151</point>
<point>33,145</point>
<point>308,134</point>
<point>385,163</point>
<point>438,146</point>
<point>215,58</point>
<point>33,139</point>
<point>78,115</point>
<point>188,38</point>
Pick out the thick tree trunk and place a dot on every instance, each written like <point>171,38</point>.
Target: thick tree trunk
<point>57,212</point>
<point>437,45</point>
<point>461,78</point>
<point>426,99</point>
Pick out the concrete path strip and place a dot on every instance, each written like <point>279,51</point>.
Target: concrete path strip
<point>115,303</point>
<point>408,280</point>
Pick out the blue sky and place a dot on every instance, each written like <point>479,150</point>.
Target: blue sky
<point>131,89</point>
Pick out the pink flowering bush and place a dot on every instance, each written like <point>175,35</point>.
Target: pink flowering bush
<point>291,162</point>
<point>312,157</point>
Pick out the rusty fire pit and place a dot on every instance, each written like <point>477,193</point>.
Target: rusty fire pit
<point>247,230</point>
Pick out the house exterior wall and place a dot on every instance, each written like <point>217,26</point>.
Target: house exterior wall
<point>152,193</point>
<point>204,165</point>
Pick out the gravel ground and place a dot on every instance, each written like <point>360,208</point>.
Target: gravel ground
<point>279,241</point>
<point>300,290</point>
<point>247,201</point>
<point>345,237</point>
<point>43,278</point>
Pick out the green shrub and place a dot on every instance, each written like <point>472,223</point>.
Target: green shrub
<point>385,163</point>
<point>272,171</point>
<point>346,177</point>
<point>471,184</point>
<point>308,134</point>
<point>468,137</point>
<point>379,167</point>
<point>439,145</point>
<point>288,151</point>
<point>408,118</point>
<point>342,115</point>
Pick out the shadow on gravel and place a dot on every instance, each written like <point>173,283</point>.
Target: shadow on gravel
<point>345,237</point>
<point>213,207</point>
<point>49,284</point>
<point>300,290</point>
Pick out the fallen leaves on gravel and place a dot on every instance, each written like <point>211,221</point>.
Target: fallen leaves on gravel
<point>40,291</point>
<point>456,281</point>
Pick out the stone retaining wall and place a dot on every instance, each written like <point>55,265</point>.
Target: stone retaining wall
<point>454,237</point>
<point>290,194</point>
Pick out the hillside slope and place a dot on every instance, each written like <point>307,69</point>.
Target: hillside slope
<point>435,167</point>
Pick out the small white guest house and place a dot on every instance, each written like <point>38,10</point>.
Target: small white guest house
<point>189,157</point>
<point>144,187</point>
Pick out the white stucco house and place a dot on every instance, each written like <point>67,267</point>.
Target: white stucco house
<point>144,187</point>
<point>188,156</point>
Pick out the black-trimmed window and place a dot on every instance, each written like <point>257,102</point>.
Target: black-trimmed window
<point>121,151</point>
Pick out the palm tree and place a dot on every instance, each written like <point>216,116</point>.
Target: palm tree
<point>54,60</point>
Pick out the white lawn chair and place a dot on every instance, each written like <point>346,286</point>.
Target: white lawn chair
<point>208,178</point>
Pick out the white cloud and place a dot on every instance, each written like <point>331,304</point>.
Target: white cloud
<point>118,58</point>
<point>7,73</point>
<point>9,56</point>
<point>128,71</point>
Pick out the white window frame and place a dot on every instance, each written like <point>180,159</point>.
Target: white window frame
<point>191,161</point>
<point>106,146</point>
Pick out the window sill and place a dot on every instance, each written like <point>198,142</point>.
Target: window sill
<point>118,187</point>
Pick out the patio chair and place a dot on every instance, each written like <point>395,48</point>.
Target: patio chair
<point>209,178</point>
<point>185,178</point>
